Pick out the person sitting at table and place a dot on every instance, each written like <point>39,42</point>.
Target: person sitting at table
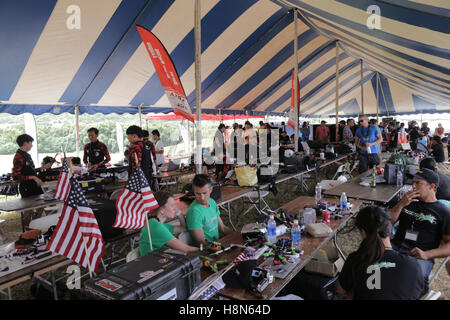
<point>437,149</point>
<point>77,168</point>
<point>443,190</point>
<point>284,139</point>
<point>424,222</point>
<point>162,234</point>
<point>203,216</point>
<point>96,153</point>
<point>375,271</point>
<point>26,174</point>
<point>367,139</point>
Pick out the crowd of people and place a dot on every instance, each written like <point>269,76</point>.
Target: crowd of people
<point>389,264</point>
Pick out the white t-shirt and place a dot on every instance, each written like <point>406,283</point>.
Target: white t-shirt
<point>159,156</point>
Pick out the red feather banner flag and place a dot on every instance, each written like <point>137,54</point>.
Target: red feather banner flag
<point>167,74</point>
<point>292,120</point>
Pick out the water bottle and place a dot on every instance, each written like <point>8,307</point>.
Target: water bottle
<point>318,193</point>
<point>343,202</point>
<point>272,230</point>
<point>399,177</point>
<point>296,236</point>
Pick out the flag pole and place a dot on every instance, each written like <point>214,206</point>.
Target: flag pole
<point>87,257</point>
<point>146,216</point>
<point>84,241</point>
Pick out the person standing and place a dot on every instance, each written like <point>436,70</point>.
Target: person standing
<point>323,133</point>
<point>219,151</point>
<point>392,138</point>
<point>366,140</point>
<point>140,150</point>
<point>95,152</point>
<point>250,139</point>
<point>146,139</point>
<point>439,131</point>
<point>26,174</point>
<point>159,148</point>
<point>340,136</point>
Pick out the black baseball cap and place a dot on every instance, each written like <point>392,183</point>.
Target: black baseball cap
<point>426,174</point>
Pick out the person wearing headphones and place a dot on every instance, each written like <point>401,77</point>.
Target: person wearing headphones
<point>162,234</point>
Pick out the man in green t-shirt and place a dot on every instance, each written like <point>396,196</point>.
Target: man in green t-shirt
<point>203,216</point>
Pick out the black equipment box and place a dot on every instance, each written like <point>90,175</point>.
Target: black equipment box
<point>92,184</point>
<point>159,275</point>
<point>105,212</point>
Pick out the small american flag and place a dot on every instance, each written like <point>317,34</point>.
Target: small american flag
<point>63,185</point>
<point>134,202</point>
<point>77,221</point>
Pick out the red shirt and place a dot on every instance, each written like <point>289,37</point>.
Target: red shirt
<point>322,134</point>
<point>18,166</point>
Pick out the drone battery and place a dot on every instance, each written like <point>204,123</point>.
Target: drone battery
<point>160,275</point>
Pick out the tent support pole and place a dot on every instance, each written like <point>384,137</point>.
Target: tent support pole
<point>337,89</point>
<point>362,87</point>
<point>198,85</point>
<point>296,88</point>
<point>140,115</point>
<point>77,132</point>
<point>378,94</point>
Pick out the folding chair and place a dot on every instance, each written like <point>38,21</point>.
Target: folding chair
<point>432,295</point>
<point>2,231</point>
<point>132,255</point>
<point>255,197</point>
<point>434,275</point>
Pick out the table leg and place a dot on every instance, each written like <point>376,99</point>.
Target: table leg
<point>337,247</point>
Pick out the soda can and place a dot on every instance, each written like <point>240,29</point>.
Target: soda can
<point>326,217</point>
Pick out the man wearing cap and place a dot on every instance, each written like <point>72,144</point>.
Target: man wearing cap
<point>443,190</point>
<point>323,133</point>
<point>424,222</point>
<point>367,139</point>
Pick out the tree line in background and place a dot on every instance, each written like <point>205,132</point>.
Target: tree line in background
<point>55,131</point>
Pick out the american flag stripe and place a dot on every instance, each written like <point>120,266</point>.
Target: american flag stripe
<point>128,200</point>
<point>63,184</point>
<point>77,226</point>
<point>134,202</point>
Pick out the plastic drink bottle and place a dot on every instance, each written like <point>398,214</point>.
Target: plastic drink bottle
<point>272,230</point>
<point>343,202</point>
<point>296,236</point>
<point>318,193</point>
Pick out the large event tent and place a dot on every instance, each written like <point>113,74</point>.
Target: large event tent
<point>57,55</point>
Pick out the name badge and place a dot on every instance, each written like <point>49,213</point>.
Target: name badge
<point>411,235</point>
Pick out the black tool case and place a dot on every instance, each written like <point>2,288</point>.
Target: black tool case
<point>159,275</point>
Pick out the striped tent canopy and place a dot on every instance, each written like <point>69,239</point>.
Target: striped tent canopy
<point>58,54</point>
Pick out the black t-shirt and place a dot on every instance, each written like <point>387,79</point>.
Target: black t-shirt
<point>438,152</point>
<point>443,191</point>
<point>400,278</point>
<point>393,139</point>
<point>430,219</point>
